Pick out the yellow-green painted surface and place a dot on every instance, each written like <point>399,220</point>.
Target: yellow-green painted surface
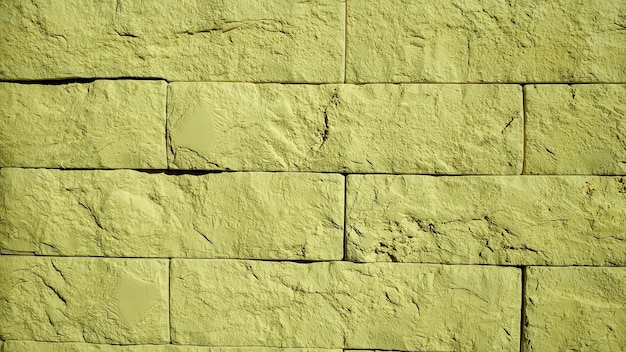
<point>515,220</point>
<point>123,301</point>
<point>31,346</point>
<point>267,40</point>
<point>388,306</point>
<point>443,129</point>
<point>577,129</point>
<point>486,41</point>
<point>104,124</point>
<point>312,175</point>
<point>578,308</point>
<point>133,214</point>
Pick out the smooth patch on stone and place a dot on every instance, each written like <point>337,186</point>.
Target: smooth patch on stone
<point>134,214</point>
<point>432,129</point>
<point>254,40</point>
<point>575,309</point>
<point>486,41</point>
<point>104,124</point>
<point>33,346</point>
<point>345,305</point>
<point>513,220</point>
<point>81,299</point>
<point>576,129</point>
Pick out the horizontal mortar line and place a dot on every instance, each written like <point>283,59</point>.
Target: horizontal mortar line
<point>222,346</point>
<point>182,345</point>
<point>300,261</point>
<point>391,350</point>
<point>62,81</point>
<point>486,83</point>
<point>179,172</point>
<point>297,261</point>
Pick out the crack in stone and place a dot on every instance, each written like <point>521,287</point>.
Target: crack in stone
<point>502,242</point>
<point>126,34</point>
<point>227,26</point>
<point>470,292</point>
<point>509,124</point>
<point>52,247</point>
<point>53,289</point>
<point>520,248</point>
<point>469,54</point>
<point>201,233</point>
<point>390,300</point>
<point>621,185</point>
<point>334,101</point>
<point>92,214</point>
<point>608,237</point>
<point>58,271</point>
<point>216,165</point>
<point>332,222</point>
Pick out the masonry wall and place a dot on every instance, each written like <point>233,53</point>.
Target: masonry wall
<point>328,175</point>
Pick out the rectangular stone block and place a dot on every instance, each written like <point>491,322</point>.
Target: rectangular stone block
<point>104,124</point>
<point>513,220</point>
<point>486,41</point>
<point>575,309</point>
<point>345,305</point>
<point>255,40</point>
<point>114,301</point>
<point>135,214</point>
<point>576,129</point>
<point>434,129</point>
<point>33,346</point>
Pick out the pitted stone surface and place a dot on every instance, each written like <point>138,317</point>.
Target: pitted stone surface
<point>104,124</point>
<point>258,40</point>
<point>575,309</point>
<point>486,41</point>
<point>135,214</point>
<point>462,129</point>
<point>345,305</point>
<point>32,346</point>
<point>513,220</point>
<point>576,129</point>
<point>118,301</point>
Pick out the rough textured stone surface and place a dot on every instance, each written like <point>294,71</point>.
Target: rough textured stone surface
<point>267,40</point>
<point>575,309</point>
<point>348,128</point>
<point>491,41</point>
<point>31,346</point>
<point>339,304</point>
<point>84,299</point>
<point>577,129</point>
<point>104,124</point>
<point>516,220</point>
<point>129,213</point>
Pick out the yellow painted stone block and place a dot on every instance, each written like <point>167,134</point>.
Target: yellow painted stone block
<point>486,41</point>
<point>134,214</point>
<point>345,305</point>
<point>513,220</point>
<point>575,309</point>
<point>84,299</point>
<point>104,124</point>
<point>32,346</point>
<point>576,129</point>
<point>452,129</point>
<point>257,40</point>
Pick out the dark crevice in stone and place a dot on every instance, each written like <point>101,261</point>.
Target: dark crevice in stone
<point>63,81</point>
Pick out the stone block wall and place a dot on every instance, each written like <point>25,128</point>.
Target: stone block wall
<point>312,176</point>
